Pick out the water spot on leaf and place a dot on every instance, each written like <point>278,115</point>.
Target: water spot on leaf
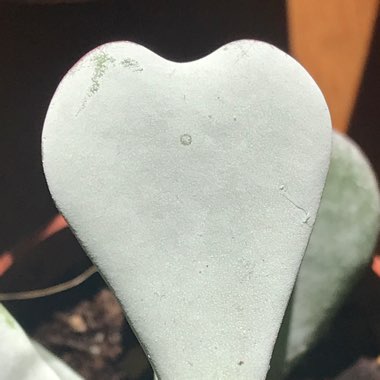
<point>131,64</point>
<point>186,139</point>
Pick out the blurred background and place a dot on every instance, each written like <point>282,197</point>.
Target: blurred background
<point>338,41</point>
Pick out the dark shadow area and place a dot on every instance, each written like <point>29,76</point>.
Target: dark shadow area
<point>36,312</point>
<point>57,259</point>
<point>365,121</point>
<point>354,333</point>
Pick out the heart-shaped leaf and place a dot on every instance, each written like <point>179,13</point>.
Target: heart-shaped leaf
<point>194,187</point>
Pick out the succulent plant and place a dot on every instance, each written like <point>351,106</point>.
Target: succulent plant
<point>194,188</point>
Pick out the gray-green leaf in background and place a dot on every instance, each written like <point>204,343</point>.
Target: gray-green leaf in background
<point>340,246</point>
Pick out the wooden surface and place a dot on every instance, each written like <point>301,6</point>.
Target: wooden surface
<point>331,38</point>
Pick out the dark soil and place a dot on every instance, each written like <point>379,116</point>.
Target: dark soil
<point>85,326</point>
<point>94,338</point>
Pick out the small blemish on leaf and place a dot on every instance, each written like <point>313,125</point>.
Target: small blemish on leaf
<point>101,61</point>
<point>131,64</point>
<point>283,189</point>
<point>241,362</point>
<point>186,139</point>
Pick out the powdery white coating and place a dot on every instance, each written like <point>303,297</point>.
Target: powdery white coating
<point>18,358</point>
<point>194,187</point>
<point>341,244</point>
